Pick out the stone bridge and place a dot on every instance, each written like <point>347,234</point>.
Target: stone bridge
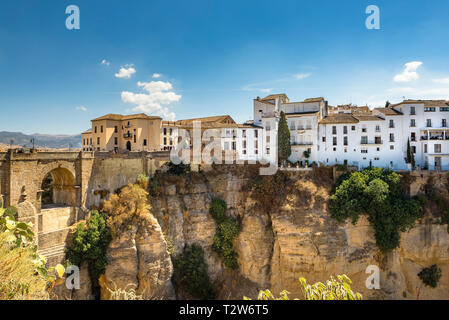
<point>79,181</point>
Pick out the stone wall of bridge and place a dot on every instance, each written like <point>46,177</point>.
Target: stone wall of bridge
<point>81,181</point>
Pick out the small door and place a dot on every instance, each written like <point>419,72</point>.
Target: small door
<point>128,146</point>
<point>438,162</point>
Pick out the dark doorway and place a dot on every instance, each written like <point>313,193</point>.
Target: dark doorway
<point>128,146</point>
<point>47,190</point>
<point>58,188</point>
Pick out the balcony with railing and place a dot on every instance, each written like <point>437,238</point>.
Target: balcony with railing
<point>371,142</point>
<point>127,135</point>
<point>435,134</point>
<point>302,143</point>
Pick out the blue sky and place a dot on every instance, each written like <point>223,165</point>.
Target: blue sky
<point>212,57</point>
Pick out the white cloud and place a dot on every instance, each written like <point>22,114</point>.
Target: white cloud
<point>442,80</point>
<point>105,62</point>
<point>265,90</point>
<point>157,75</point>
<point>125,72</point>
<point>301,76</point>
<point>159,95</point>
<point>81,108</point>
<point>409,73</point>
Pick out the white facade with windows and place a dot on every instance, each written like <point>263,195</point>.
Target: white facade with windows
<point>357,135</point>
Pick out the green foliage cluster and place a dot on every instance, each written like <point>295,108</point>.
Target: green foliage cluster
<point>284,147</point>
<point>190,273</point>
<point>178,169</point>
<point>377,193</point>
<point>333,289</point>
<point>227,229</point>
<point>430,276</point>
<point>89,245</point>
<point>306,154</point>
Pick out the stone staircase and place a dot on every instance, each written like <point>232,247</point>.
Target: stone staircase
<point>54,254</point>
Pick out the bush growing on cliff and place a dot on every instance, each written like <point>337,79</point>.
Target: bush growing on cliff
<point>89,245</point>
<point>333,289</point>
<point>190,273</point>
<point>378,194</point>
<point>128,208</point>
<point>430,276</point>
<point>269,191</point>
<point>227,229</point>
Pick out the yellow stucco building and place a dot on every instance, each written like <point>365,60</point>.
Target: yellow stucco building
<point>115,132</point>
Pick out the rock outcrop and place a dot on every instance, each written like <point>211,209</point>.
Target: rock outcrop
<point>139,260</point>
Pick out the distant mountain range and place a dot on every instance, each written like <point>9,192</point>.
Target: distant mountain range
<point>58,141</point>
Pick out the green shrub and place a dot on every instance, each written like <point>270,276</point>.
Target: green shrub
<point>190,273</point>
<point>377,193</point>
<point>89,245</point>
<point>228,229</point>
<point>430,276</point>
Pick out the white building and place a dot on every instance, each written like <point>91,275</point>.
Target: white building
<point>358,135</point>
<point>302,118</point>
<point>425,123</point>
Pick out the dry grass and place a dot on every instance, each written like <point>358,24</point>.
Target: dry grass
<point>18,279</point>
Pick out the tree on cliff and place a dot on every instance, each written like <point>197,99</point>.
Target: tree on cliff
<point>377,193</point>
<point>284,147</point>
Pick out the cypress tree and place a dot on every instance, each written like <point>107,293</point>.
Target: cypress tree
<point>284,147</point>
<point>410,156</point>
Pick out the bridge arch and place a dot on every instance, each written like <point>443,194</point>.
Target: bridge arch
<point>57,185</point>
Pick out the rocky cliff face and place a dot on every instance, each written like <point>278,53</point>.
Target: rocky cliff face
<point>297,238</point>
<point>276,246</point>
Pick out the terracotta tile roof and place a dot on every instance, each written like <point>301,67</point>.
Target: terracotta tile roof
<point>274,96</point>
<point>217,119</point>
<point>266,102</point>
<point>314,99</point>
<point>430,103</point>
<point>367,117</point>
<point>120,117</point>
<point>389,111</point>
<point>339,118</point>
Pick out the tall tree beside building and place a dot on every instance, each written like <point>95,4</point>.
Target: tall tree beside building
<point>410,156</point>
<point>284,147</point>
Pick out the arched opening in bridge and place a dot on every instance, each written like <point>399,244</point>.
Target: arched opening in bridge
<point>128,146</point>
<point>58,188</point>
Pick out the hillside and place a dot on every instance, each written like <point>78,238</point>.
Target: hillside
<point>41,140</point>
